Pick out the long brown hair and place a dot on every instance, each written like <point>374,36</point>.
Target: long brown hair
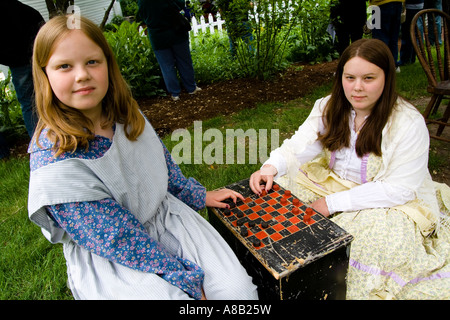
<point>68,127</point>
<point>338,109</point>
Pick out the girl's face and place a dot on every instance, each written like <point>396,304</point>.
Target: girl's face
<point>78,73</point>
<point>363,84</point>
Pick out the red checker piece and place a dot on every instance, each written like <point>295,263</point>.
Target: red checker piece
<point>287,194</point>
<point>296,202</point>
<point>308,220</point>
<point>276,187</point>
<point>295,210</point>
<point>283,201</point>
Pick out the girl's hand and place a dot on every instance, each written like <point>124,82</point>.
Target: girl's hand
<point>266,175</point>
<point>215,198</point>
<point>321,206</point>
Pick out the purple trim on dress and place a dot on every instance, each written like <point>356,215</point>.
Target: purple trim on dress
<point>332,159</point>
<point>364,161</point>
<point>393,275</point>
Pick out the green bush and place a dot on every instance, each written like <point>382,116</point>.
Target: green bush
<point>262,53</point>
<point>11,120</point>
<point>309,40</point>
<point>211,58</point>
<point>136,59</point>
<point>129,7</point>
<point>282,31</point>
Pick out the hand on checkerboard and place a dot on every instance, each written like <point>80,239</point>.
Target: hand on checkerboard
<point>215,198</point>
<point>266,175</point>
<point>321,206</point>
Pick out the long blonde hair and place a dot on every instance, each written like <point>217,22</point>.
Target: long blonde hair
<point>68,127</point>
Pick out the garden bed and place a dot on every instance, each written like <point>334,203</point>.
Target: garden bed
<point>227,97</point>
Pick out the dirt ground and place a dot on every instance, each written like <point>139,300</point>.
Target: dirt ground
<point>225,98</point>
<point>228,97</point>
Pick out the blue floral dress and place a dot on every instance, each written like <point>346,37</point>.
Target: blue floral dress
<point>109,230</point>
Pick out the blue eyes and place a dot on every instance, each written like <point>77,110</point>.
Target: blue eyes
<point>66,66</point>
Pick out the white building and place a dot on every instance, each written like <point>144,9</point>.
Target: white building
<point>91,9</point>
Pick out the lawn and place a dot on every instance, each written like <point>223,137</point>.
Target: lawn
<point>32,268</point>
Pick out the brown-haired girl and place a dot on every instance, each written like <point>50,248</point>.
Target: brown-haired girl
<point>362,156</point>
<point>103,184</point>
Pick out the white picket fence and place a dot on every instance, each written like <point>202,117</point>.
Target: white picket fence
<point>202,25</point>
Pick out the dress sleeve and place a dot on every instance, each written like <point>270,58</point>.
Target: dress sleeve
<point>188,190</point>
<point>303,146</point>
<point>107,229</point>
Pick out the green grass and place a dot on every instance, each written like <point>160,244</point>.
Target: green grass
<point>32,268</point>
<point>412,82</point>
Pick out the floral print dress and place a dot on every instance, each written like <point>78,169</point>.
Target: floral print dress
<point>389,257</point>
<point>111,243</point>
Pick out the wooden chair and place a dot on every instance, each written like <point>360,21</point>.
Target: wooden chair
<point>435,61</point>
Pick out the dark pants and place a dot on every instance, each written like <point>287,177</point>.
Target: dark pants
<point>407,53</point>
<point>22,80</point>
<point>389,31</point>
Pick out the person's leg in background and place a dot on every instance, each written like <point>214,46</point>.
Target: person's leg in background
<point>183,62</point>
<point>166,61</point>
<point>22,80</point>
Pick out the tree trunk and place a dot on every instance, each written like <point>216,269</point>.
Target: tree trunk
<point>105,17</point>
<point>57,7</point>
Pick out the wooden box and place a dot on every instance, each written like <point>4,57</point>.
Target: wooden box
<point>290,250</point>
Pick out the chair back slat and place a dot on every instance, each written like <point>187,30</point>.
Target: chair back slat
<point>437,42</point>
<point>432,45</point>
<point>446,42</point>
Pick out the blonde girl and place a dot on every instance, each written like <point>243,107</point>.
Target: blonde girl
<point>103,184</point>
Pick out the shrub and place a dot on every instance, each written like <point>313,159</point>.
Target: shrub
<point>11,120</point>
<point>136,59</point>
<point>309,40</point>
<point>211,59</point>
